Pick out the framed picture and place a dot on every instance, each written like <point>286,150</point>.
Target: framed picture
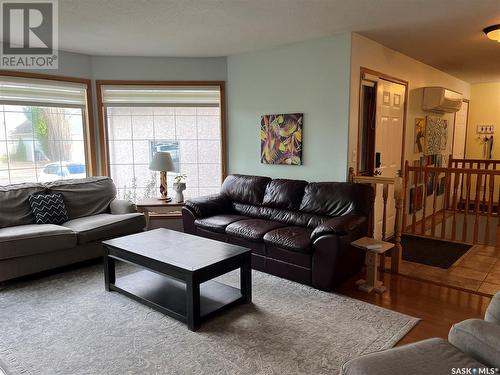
<point>281,139</point>
<point>436,134</point>
<point>419,199</point>
<point>439,160</point>
<point>417,175</point>
<point>420,131</point>
<point>442,185</point>
<point>430,183</point>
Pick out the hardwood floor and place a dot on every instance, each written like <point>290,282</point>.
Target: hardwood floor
<point>438,306</point>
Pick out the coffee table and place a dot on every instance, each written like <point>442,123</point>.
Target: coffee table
<point>178,273</point>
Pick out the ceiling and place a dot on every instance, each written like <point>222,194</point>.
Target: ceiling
<point>443,33</point>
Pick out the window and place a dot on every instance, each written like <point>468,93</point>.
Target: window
<point>184,121</point>
<point>42,130</point>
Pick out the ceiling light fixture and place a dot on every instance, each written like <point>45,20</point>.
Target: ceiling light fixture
<point>493,32</point>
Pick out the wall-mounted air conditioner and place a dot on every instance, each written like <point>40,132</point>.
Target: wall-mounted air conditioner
<point>439,99</point>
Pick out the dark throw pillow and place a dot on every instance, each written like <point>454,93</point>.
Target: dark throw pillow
<point>48,208</point>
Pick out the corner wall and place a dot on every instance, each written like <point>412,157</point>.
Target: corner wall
<point>369,54</point>
<point>309,77</point>
<point>484,109</point>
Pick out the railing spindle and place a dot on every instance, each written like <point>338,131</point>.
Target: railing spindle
<point>424,201</point>
<point>458,178</point>
<point>433,218</point>
<point>479,179</point>
<point>466,212</point>
<point>490,208</point>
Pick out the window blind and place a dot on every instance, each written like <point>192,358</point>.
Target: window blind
<point>30,91</point>
<point>123,95</point>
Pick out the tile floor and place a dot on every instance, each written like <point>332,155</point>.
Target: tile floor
<point>478,270</point>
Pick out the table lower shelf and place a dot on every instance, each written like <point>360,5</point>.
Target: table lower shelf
<point>168,295</point>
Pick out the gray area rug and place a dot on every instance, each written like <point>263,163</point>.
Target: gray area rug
<point>68,324</point>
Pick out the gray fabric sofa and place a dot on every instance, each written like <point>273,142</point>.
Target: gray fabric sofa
<point>95,215</point>
<point>472,344</point>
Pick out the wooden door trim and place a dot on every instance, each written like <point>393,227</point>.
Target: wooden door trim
<point>103,136</point>
<point>89,125</point>
<point>392,79</point>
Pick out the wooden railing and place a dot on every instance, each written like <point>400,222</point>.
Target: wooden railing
<point>384,183</point>
<point>464,193</point>
<point>473,163</point>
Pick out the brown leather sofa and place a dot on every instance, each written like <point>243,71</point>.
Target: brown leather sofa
<point>297,230</point>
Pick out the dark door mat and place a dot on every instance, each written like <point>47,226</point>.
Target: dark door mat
<point>431,252</point>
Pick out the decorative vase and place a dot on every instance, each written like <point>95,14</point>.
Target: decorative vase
<point>179,188</point>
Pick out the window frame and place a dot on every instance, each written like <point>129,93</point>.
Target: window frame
<point>88,112</point>
<point>103,128</point>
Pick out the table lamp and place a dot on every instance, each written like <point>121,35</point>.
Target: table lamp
<point>162,162</point>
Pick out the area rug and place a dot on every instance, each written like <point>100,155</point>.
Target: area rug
<point>68,324</point>
<point>432,252</point>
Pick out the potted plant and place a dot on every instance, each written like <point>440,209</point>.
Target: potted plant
<point>179,187</point>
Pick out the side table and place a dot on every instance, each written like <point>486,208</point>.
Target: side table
<point>150,206</point>
<point>373,249</point>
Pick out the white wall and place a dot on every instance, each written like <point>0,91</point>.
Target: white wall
<point>369,54</point>
<point>311,77</point>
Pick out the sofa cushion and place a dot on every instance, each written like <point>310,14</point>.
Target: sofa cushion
<point>252,229</point>
<point>24,240</point>
<point>48,208</point>
<point>245,189</point>
<point>337,198</point>
<point>15,207</point>
<point>218,223</point>
<point>492,313</point>
<point>290,217</point>
<point>86,196</point>
<point>104,226</point>
<point>285,194</point>
<point>432,356</point>
<point>479,339</point>
<point>290,238</point>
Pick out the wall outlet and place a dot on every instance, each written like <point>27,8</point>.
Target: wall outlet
<point>485,129</point>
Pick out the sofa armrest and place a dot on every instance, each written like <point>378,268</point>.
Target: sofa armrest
<point>478,339</point>
<point>493,311</point>
<point>339,225</point>
<point>122,206</point>
<point>208,205</point>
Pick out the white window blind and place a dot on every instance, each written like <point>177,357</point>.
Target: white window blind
<point>168,96</point>
<point>29,91</point>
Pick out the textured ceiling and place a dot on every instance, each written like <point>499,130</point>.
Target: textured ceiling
<point>442,33</point>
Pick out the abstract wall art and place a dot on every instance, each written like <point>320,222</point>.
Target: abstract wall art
<point>436,134</point>
<point>281,139</point>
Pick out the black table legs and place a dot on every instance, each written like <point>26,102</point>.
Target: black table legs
<point>193,303</point>
<point>109,270</point>
<point>246,280</point>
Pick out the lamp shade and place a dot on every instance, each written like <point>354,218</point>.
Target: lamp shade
<point>162,161</point>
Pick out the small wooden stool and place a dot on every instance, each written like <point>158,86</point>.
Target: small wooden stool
<point>373,249</point>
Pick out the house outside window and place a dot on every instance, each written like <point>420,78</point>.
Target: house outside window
<point>43,130</point>
<point>184,121</point>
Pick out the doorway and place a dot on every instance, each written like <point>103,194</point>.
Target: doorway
<point>382,113</point>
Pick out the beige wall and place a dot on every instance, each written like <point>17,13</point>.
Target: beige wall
<point>484,109</point>
<point>369,54</point>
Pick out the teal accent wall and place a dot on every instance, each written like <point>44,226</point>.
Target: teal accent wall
<point>311,77</point>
